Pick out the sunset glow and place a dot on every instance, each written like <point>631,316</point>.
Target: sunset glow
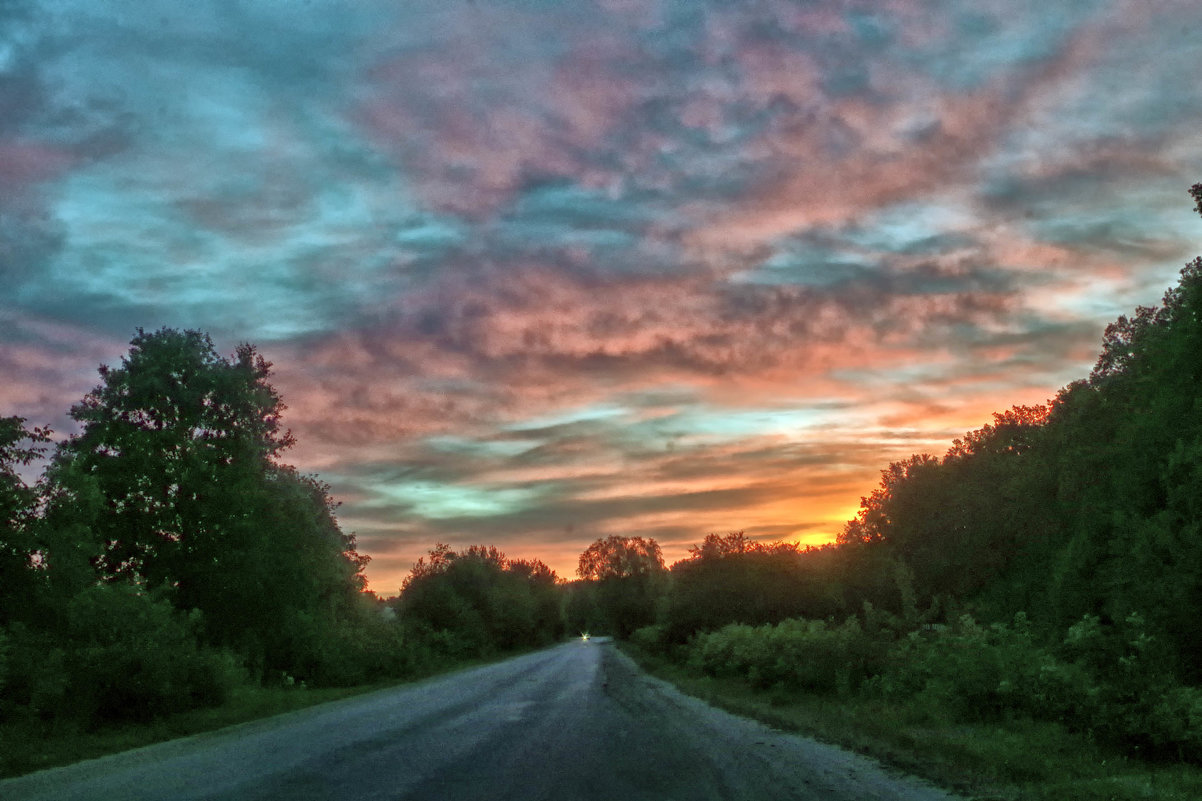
<point>534,273</point>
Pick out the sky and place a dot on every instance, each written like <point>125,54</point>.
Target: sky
<point>533,273</point>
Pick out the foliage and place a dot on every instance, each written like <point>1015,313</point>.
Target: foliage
<point>732,579</point>
<point>795,654</point>
<point>478,601</point>
<point>170,436</point>
<point>618,557</point>
<point>19,548</point>
<point>628,576</point>
<point>976,672</point>
<point>1106,681</point>
<point>172,483</point>
<point>1086,506</point>
<point>651,639</point>
<point>1083,514</point>
<point>124,656</point>
<point>581,610</point>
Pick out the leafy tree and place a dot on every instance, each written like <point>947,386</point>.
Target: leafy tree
<point>581,611</point>
<point>629,575</point>
<point>546,597</point>
<point>19,550</point>
<point>617,557</point>
<point>172,436</point>
<point>478,601</point>
<point>179,446</point>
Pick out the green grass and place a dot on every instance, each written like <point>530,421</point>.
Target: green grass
<point>1016,760</point>
<point>28,746</point>
<point>31,745</point>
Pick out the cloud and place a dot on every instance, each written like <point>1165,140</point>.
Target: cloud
<point>494,345</point>
<point>48,367</point>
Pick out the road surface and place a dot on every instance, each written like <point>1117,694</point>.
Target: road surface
<point>577,722</point>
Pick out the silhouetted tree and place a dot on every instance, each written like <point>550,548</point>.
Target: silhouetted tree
<point>732,579</point>
<point>19,548</point>
<point>629,575</point>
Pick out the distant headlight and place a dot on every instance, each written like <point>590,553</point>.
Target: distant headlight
<point>584,636</point>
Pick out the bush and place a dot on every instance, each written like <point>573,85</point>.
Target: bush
<point>795,654</point>
<point>36,678</point>
<point>363,648</point>
<point>130,656</point>
<point>1177,729</point>
<point>976,673</point>
<point>650,638</point>
<point>1111,681</point>
<point>1134,700</point>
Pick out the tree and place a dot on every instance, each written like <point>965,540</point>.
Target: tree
<point>478,601</point>
<point>172,436</point>
<point>617,557</point>
<point>19,447</point>
<point>629,574</point>
<point>1086,507</point>
<point>181,446</point>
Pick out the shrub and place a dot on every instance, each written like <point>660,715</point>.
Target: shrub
<point>795,654</point>
<point>341,654</point>
<point>36,678</point>
<point>1134,701</point>
<point>651,639</point>
<point>129,655</point>
<point>975,672</point>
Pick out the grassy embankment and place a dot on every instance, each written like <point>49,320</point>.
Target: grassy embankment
<point>1015,760</point>
<point>27,746</point>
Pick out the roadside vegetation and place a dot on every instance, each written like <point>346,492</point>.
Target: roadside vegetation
<point>168,572</point>
<point>1012,758</point>
<point>1019,614</point>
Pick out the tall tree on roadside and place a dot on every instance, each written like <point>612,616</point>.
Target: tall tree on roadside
<point>181,445</point>
<point>174,437</point>
<point>1089,506</point>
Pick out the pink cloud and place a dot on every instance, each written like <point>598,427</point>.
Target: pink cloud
<point>906,137</point>
<point>500,345</point>
<point>49,366</point>
<point>25,163</point>
<point>472,125</point>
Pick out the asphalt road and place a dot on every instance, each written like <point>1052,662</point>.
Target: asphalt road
<point>576,722</point>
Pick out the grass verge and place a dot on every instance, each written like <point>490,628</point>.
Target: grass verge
<point>1015,760</point>
<point>31,745</point>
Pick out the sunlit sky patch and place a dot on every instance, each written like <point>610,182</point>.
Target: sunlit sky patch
<point>536,272</point>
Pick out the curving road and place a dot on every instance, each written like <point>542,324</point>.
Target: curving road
<point>578,721</point>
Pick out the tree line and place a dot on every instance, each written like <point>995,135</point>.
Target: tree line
<point>1048,564</point>
<point>167,556</point>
